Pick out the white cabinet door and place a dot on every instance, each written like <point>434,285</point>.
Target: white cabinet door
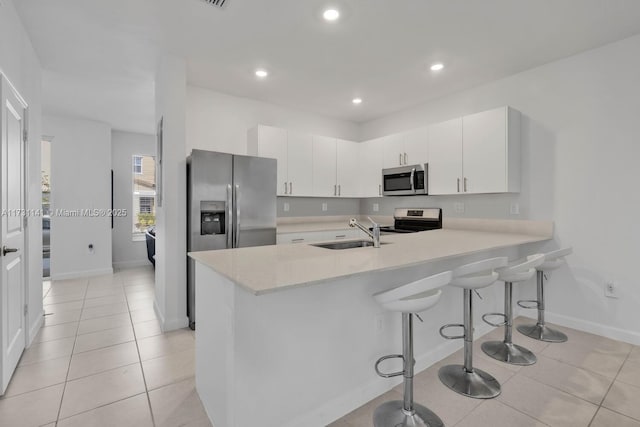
<point>445,157</point>
<point>416,147</point>
<point>300,164</point>
<point>485,150</point>
<point>371,155</point>
<point>348,168</point>
<point>324,166</point>
<point>272,143</point>
<point>393,151</point>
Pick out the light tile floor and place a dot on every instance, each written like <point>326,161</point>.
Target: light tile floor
<point>590,381</point>
<point>102,360</point>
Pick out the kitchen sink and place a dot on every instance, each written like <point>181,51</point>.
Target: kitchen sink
<point>349,244</point>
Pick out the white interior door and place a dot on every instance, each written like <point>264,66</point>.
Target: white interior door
<point>12,280</point>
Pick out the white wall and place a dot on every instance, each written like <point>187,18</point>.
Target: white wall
<point>80,179</point>
<point>219,122</point>
<point>124,145</point>
<point>171,221</point>
<point>580,155</point>
<point>19,63</point>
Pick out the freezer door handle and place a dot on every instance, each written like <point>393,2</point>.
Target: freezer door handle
<point>236,200</point>
<point>229,217</point>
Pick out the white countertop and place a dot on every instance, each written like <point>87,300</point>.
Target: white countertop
<point>265,269</point>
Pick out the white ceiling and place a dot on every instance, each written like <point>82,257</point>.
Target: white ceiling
<point>99,56</point>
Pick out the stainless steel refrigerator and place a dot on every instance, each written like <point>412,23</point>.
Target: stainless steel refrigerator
<point>231,203</point>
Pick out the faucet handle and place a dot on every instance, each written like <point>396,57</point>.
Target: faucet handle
<point>375,224</point>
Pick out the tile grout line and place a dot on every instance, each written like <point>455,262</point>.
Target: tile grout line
<point>64,388</point>
<point>144,378</point>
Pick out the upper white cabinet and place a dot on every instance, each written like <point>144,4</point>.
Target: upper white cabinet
<point>292,150</point>
<point>479,153</point>
<point>371,164</point>
<point>324,166</point>
<point>407,148</point>
<point>348,167</point>
<point>445,157</point>
<point>491,161</point>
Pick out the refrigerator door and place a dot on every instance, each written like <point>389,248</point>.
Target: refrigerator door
<point>254,210</point>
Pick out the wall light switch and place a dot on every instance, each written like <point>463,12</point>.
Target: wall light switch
<point>376,207</point>
<point>515,209</point>
<point>324,207</point>
<point>459,207</point>
<point>286,206</point>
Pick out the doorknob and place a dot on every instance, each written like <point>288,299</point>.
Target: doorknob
<point>6,250</point>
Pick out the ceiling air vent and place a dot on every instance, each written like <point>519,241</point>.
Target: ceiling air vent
<point>218,3</point>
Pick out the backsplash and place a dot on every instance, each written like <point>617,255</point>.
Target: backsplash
<point>312,206</point>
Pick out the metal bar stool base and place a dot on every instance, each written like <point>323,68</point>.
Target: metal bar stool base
<point>477,384</point>
<point>392,414</point>
<point>509,353</point>
<point>542,333</point>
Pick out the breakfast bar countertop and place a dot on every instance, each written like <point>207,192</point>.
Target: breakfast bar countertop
<point>266,269</point>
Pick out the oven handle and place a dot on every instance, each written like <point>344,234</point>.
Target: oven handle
<point>413,173</point>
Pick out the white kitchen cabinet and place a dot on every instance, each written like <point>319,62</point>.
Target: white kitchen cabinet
<point>491,159</point>
<point>324,166</point>
<point>393,151</point>
<point>347,168</point>
<point>445,157</point>
<point>318,236</point>
<point>415,145</point>
<point>300,163</point>
<point>271,142</point>
<point>371,164</point>
<point>294,153</point>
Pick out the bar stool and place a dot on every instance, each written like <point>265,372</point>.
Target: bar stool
<point>540,331</point>
<point>506,350</point>
<point>408,299</point>
<point>465,379</point>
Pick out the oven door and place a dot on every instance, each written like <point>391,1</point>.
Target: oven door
<point>403,181</point>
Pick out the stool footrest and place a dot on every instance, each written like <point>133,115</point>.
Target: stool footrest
<point>392,374</point>
<point>497,325</point>
<point>529,304</point>
<point>452,337</point>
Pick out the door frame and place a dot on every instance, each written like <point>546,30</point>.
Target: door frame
<point>27,229</point>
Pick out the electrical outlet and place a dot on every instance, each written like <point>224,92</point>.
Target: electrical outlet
<point>515,209</point>
<point>610,289</point>
<point>325,207</point>
<point>458,207</point>
<point>379,323</point>
<point>286,207</point>
<point>376,207</point>
<point>91,248</point>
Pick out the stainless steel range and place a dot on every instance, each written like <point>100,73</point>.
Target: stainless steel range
<point>412,220</point>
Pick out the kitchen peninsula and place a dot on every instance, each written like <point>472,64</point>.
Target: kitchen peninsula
<point>287,335</point>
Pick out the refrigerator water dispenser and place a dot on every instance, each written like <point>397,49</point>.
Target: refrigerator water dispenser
<point>212,218</point>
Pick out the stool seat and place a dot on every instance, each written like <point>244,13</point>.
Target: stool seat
<point>506,351</point>
<point>407,299</point>
<point>555,259</point>
<point>416,296</point>
<point>477,275</point>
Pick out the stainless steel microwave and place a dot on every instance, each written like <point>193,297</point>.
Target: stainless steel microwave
<point>405,180</point>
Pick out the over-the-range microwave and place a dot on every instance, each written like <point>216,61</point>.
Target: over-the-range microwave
<point>405,180</point>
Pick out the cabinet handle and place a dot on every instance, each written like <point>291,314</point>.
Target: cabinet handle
<point>297,240</point>
<point>380,189</point>
<point>335,190</point>
<point>339,190</point>
<point>458,185</point>
<point>400,159</point>
<point>291,188</point>
<point>341,236</point>
<point>285,188</point>
<point>465,185</point>
<point>405,158</point>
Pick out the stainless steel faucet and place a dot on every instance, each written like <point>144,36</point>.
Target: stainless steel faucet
<point>375,234</point>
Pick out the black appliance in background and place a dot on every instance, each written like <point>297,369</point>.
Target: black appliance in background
<point>150,237</point>
<point>413,220</point>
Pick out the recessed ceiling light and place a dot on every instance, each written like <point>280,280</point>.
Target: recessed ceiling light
<point>331,14</point>
<point>357,101</point>
<point>437,67</point>
<point>262,73</point>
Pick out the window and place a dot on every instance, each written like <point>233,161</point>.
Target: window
<point>144,194</point>
<point>137,165</point>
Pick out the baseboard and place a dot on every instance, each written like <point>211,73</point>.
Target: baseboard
<point>122,265</point>
<point>81,274</point>
<point>614,333</point>
<point>35,328</point>
<point>342,405</point>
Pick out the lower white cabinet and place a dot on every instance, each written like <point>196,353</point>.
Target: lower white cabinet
<point>318,236</point>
